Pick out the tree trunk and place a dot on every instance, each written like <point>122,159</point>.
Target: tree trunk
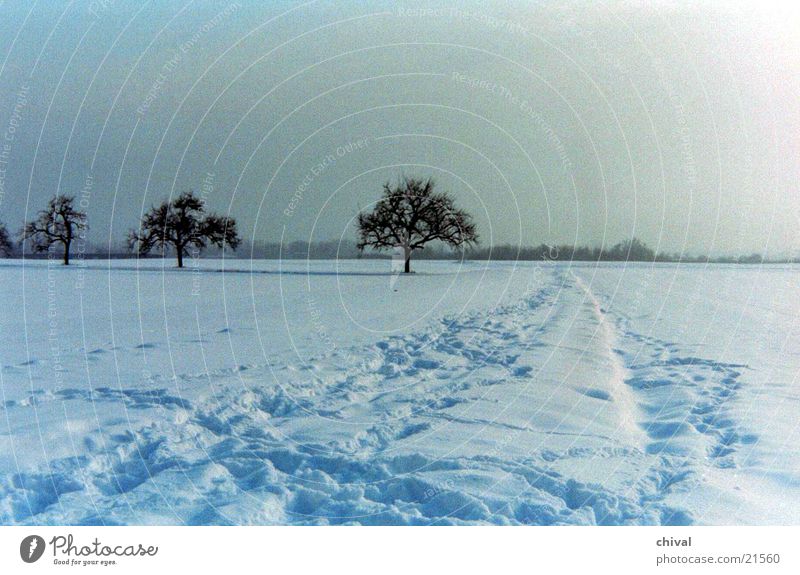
<point>66,253</point>
<point>408,261</point>
<point>180,257</point>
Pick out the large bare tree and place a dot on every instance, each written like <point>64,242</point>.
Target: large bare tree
<point>60,223</point>
<point>410,215</point>
<point>180,224</point>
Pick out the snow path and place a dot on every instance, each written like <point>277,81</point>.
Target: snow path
<point>619,375</point>
<point>548,410</point>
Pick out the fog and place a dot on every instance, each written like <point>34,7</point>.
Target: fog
<point>558,122</point>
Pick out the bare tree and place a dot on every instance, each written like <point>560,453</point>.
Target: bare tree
<point>6,245</point>
<point>60,223</point>
<point>181,224</point>
<point>411,214</point>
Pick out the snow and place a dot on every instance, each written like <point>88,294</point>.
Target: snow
<point>270,392</point>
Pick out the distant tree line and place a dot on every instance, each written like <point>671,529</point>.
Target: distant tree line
<point>327,250</point>
<point>347,249</point>
<point>410,217</point>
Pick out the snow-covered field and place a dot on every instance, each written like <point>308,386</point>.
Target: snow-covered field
<point>334,392</point>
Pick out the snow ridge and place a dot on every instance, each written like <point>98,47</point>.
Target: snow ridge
<point>608,341</point>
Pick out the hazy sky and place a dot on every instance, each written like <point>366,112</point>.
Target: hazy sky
<point>582,122</point>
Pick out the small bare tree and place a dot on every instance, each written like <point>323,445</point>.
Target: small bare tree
<point>6,245</point>
<point>60,223</point>
<point>411,214</point>
<point>180,224</point>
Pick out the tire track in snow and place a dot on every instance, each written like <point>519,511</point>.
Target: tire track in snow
<point>685,406</point>
<point>619,373</point>
<point>666,472</point>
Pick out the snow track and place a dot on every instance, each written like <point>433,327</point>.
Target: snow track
<point>619,374</point>
<point>547,410</point>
